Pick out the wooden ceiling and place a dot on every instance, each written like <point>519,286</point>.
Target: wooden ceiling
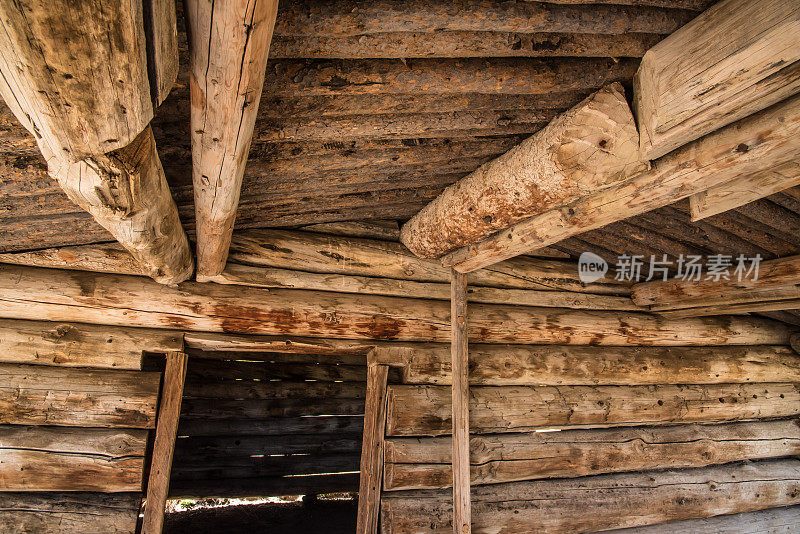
<point>371,108</point>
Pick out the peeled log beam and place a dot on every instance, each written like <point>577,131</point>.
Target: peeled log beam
<point>498,365</point>
<point>301,251</point>
<point>71,459</point>
<point>127,194</point>
<point>41,395</point>
<point>443,44</point>
<point>229,46</point>
<point>81,345</point>
<point>422,463</point>
<point>772,274</point>
<point>46,513</point>
<point>602,502</point>
<point>735,59</point>
<point>27,292</point>
<point>772,135</point>
<point>744,190</point>
<point>425,410</point>
<point>291,78</point>
<point>596,146</point>
<point>350,18</point>
<point>776,520</point>
<point>99,258</point>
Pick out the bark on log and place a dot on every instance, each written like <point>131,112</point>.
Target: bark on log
<point>71,459</point>
<point>586,149</point>
<point>735,59</point>
<point>352,18</point>
<point>423,463</point>
<point>773,520</point>
<point>127,194</point>
<point>361,257</point>
<point>229,46</point>
<point>603,502</point>
<point>493,365</point>
<point>772,135</point>
<point>425,410</point>
<point>746,189</point>
<point>40,395</point>
<point>47,513</point>
<point>27,292</point>
<point>81,345</point>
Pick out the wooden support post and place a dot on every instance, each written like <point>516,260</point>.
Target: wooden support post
<point>369,490</point>
<point>462,523</point>
<point>164,446</point>
<point>229,46</point>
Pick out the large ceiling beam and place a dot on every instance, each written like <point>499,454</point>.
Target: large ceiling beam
<point>229,46</point>
<point>744,147</point>
<point>80,83</point>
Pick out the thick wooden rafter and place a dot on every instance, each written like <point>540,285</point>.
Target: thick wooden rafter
<point>229,46</point>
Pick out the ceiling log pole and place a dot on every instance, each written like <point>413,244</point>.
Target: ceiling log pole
<point>229,46</point>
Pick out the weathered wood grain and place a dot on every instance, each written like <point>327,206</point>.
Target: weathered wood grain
<point>771,521</point>
<point>371,464</point>
<point>459,394</point>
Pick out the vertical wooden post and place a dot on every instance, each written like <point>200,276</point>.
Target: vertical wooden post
<point>369,488</point>
<point>459,351</point>
<point>164,446</point>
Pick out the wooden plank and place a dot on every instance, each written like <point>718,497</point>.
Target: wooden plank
<point>135,301</point>
<point>161,36</point>
<point>459,391</point>
<point>229,46</point>
<point>63,513</point>
<point>772,135</point>
<point>505,365</point>
<point>603,502</point>
<point>746,189</point>
<point>42,395</point>
<point>71,459</point>
<point>300,251</point>
<point>164,444</point>
<point>423,463</point>
<point>733,60</point>
<point>597,140</point>
<point>771,521</point>
<point>371,467</point>
<point>425,410</point>
<point>81,345</point>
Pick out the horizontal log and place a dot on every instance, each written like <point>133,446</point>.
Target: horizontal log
<point>71,459</point>
<point>234,450</point>
<point>101,258</point>
<point>771,520</point>
<point>602,502</point>
<point>220,409</point>
<point>734,309</point>
<point>42,395</point>
<point>266,277</point>
<point>444,44</point>
<point>772,135</point>
<point>361,257</point>
<point>386,230</point>
<point>425,410</point>
<point>499,365</point>
<point>346,18</point>
<point>436,76</point>
<point>424,463</point>
<point>45,513</point>
<point>256,370</point>
<point>210,343</point>
<point>245,389</point>
<point>331,424</point>
<point>81,345</point>
<point>280,357</point>
<point>135,301</point>
<point>277,466</point>
<point>263,487</point>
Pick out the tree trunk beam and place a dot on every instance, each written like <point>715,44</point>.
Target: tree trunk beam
<point>229,46</point>
<point>602,502</point>
<point>744,190</point>
<point>771,135</point>
<point>596,143</point>
<point>783,519</point>
<point>425,410</point>
<point>71,459</point>
<point>733,60</point>
<point>30,293</point>
<point>414,463</point>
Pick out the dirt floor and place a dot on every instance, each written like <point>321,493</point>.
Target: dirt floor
<point>328,516</point>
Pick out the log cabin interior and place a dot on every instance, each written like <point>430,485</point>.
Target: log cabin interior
<point>488,266</point>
